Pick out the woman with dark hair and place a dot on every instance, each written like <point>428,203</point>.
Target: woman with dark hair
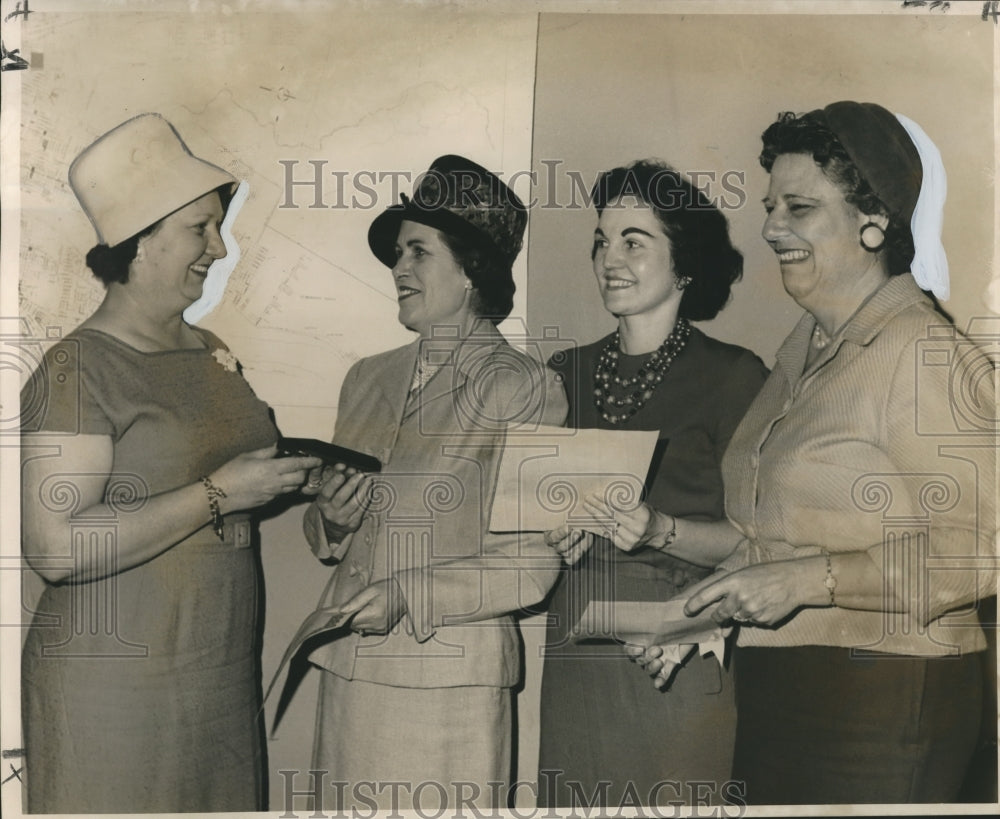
<point>662,258</point>
<point>144,452</point>
<point>415,704</point>
<point>861,483</point>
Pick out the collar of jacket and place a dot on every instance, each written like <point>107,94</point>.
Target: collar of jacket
<point>459,357</point>
<point>898,293</point>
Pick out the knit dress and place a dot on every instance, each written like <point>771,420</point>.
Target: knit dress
<point>141,689</point>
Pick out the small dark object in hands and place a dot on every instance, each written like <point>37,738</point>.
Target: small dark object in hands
<point>330,453</point>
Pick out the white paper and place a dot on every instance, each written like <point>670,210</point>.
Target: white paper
<point>321,621</point>
<point>650,623</point>
<point>545,477</point>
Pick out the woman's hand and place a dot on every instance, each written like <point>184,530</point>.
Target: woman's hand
<point>654,661</point>
<point>633,528</point>
<point>376,608</point>
<point>571,544</point>
<point>254,478</point>
<point>155,525</point>
<point>763,594</point>
<point>342,500</point>
<point>314,480</point>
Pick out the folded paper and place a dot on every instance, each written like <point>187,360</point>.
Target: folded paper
<point>653,623</point>
<point>321,621</point>
<point>544,477</point>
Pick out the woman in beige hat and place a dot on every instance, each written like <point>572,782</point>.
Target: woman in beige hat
<point>415,703</point>
<point>144,452</point>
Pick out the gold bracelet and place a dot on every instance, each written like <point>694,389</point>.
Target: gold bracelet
<point>671,536</point>
<point>214,493</point>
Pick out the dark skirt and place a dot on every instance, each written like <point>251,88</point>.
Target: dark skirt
<point>822,725</point>
<point>608,736</point>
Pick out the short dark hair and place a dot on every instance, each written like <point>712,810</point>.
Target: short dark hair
<point>810,134</point>
<point>111,264</point>
<point>698,231</point>
<point>491,276</point>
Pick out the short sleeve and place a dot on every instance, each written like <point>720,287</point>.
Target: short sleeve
<point>57,398</point>
<point>211,339</point>
<point>564,364</point>
<point>526,393</point>
<point>740,387</point>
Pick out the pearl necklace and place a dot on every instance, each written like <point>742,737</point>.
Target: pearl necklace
<point>820,339</point>
<point>639,388</point>
<point>421,375</point>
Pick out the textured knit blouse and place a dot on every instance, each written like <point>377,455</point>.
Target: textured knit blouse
<point>141,689</point>
<point>886,444</point>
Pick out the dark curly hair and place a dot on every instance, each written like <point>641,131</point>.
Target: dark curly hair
<point>698,232</point>
<point>811,135</point>
<point>111,264</point>
<point>491,276</point>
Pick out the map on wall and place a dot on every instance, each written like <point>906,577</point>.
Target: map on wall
<point>325,135</point>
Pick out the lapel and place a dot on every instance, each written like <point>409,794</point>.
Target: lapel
<point>460,358</point>
<point>892,297</point>
<point>390,375</point>
<point>791,356</point>
<point>394,380</point>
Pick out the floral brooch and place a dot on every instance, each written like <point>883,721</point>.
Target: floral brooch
<point>227,360</point>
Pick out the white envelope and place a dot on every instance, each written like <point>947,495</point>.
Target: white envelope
<point>545,476</point>
<point>649,623</point>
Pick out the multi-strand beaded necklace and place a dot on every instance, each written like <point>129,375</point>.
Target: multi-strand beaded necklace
<point>629,395</point>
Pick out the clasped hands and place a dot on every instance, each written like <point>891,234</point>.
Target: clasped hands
<point>632,528</point>
<point>760,595</point>
<point>342,496</point>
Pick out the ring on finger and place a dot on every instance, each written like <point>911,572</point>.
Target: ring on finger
<point>740,617</point>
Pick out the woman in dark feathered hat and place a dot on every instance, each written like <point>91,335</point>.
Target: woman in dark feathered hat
<point>420,689</point>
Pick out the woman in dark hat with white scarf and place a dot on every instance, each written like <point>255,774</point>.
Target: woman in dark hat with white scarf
<point>867,505</point>
<point>418,693</point>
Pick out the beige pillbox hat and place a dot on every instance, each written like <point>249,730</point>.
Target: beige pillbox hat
<point>138,173</point>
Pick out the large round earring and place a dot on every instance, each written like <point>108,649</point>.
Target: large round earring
<point>871,237</point>
<point>682,282</point>
<point>468,285</point>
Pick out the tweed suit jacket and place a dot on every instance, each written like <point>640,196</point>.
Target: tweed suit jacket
<point>427,523</point>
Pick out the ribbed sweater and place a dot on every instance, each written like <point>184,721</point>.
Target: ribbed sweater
<point>887,443</point>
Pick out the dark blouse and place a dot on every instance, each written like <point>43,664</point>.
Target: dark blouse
<point>695,410</point>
